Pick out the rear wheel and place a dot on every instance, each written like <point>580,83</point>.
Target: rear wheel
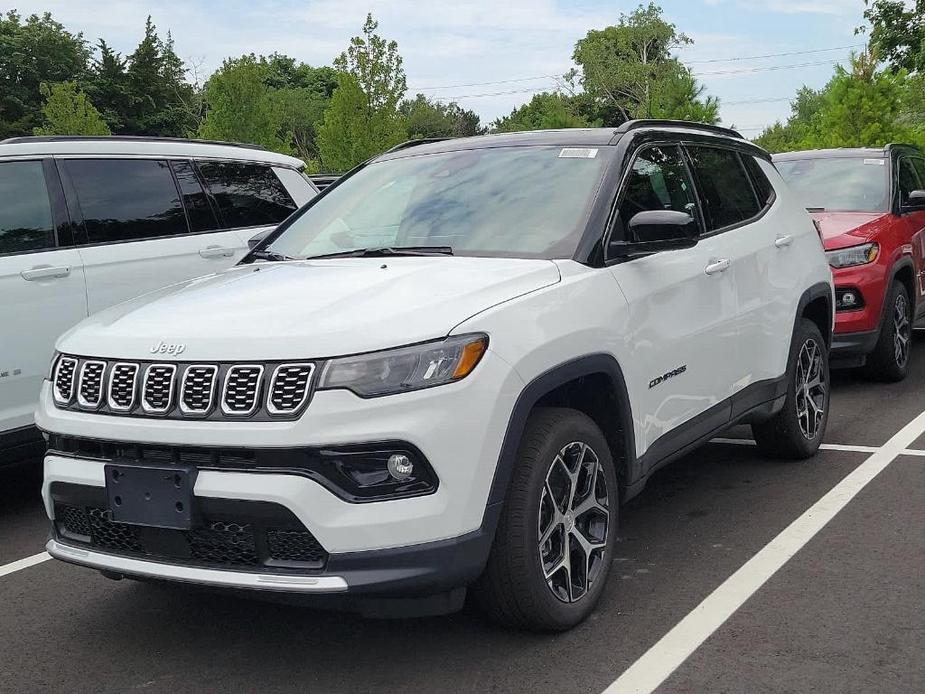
<point>797,430</point>
<point>890,359</point>
<point>554,544</point>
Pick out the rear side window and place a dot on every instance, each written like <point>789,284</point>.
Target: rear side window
<point>763,188</point>
<point>247,194</point>
<point>126,199</point>
<point>198,210</point>
<point>25,211</point>
<point>725,191</point>
<point>657,181</point>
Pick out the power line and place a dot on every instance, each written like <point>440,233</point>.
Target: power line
<point>767,68</point>
<point>483,84</point>
<point>771,55</point>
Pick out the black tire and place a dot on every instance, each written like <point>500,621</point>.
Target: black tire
<point>885,363</point>
<point>513,589</point>
<point>783,436</point>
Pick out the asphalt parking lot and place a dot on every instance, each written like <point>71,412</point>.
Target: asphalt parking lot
<point>842,614</point>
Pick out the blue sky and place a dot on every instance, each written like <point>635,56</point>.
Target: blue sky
<point>501,50</point>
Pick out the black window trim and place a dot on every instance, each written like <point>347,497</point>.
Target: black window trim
<point>61,223</point>
<point>613,216</point>
<point>217,208</point>
<point>762,210</point>
<point>213,206</point>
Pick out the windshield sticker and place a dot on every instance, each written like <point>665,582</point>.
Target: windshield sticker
<point>577,153</point>
<point>874,162</point>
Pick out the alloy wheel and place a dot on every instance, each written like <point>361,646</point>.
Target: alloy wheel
<point>810,389</point>
<point>902,330</point>
<point>574,522</point>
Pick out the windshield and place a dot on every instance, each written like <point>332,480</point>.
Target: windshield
<point>527,202</point>
<point>839,184</point>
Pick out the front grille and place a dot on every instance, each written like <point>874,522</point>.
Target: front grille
<point>219,543</point>
<point>295,545</point>
<point>198,389</point>
<point>122,384</point>
<point>289,389</point>
<point>242,388</point>
<point>179,390</point>
<point>90,383</point>
<point>157,393</point>
<point>64,379</point>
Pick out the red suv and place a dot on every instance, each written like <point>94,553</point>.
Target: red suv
<point>869,205</point>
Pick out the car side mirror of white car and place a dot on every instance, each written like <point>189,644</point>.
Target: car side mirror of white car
<point>652,231</point>
<point>255,240</point>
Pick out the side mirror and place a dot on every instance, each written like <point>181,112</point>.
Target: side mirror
<point>915,202</point>
<point>657,230</point>
<point>253,241</point>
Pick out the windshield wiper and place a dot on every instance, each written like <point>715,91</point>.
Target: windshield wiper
<point>272,256</point>
<point>383,251</point>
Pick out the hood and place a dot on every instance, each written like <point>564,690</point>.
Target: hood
<point>843,229</point>
<point>307,309</point>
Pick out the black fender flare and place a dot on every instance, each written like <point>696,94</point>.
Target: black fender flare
<point>820,290</point>
<point>531,394</point>
<point>904,261</point>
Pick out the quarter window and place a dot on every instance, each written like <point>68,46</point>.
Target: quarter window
<point>763,187</point>
<point>247,194</point>
<point>126,199</point>
<point>725,191</point>
<point>25,211</point>
<point>657,181</point>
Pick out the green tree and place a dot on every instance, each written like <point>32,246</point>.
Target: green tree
<point>796,132</point>
<point>350,133</point>
<point>108,87</point>
<point>240,105</point>
<point>35,51</point>
<point>426,118</point>
<point>545,111</point>
<point>377,67</point>
<point>68,111</point>
<point>898,32</point>
<point>628,71</point>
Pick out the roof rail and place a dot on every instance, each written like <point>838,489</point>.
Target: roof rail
<point>122,138</point>
<point>689,125</point>
<point>414,143</point>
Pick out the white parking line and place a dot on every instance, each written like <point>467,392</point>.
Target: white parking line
<point>21,564</point>
<point>657,664</point>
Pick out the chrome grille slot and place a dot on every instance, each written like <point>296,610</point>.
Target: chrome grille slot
<point>122,385</point>
<point>64,380</point>
<point>290,388</point>
<point>242,389</point>
<point>157,391</point>
<point>90,383</point>
<point>198,388</point>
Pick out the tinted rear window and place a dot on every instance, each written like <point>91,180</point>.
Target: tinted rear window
<point>839,184</point>
<point>126,199</point>
<point>726,193</point>
<point>247,194</point>
<point>198,210</point>
<point>25,212</point>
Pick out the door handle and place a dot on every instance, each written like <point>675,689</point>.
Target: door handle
<point>216,252</point>
<point>782,241</point>
<point>44,272</point>
<point>717,265</point>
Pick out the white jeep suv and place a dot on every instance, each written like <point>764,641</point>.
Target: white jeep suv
<point>446,373</point>
<point>87,222</point>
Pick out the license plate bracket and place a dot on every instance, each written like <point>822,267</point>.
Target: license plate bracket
<point>155,496</point>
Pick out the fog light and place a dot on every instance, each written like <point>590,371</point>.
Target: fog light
<point>848,300</point>
<point>400,466</point>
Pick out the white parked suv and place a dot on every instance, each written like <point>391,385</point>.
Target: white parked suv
<point>446,373</point>
<point>88,222</point>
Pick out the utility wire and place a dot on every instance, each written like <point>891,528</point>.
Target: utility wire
<point>772,55</point>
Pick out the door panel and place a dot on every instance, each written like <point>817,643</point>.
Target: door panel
<point>683,355</point>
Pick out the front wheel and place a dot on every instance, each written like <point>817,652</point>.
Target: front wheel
<point>797,430</point>
<point>890,359</point>
<point>554,545</point>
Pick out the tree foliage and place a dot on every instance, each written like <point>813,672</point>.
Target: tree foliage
<point>629,71</point>
<point>68,111</point>
<point>546,110</point>
<point>426,118</point>
<point>898,32</point>
<point>33,52</point>
<point>376,66</point>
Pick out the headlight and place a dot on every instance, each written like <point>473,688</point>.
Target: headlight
<point>406,368</point>
<point>856,255</point>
